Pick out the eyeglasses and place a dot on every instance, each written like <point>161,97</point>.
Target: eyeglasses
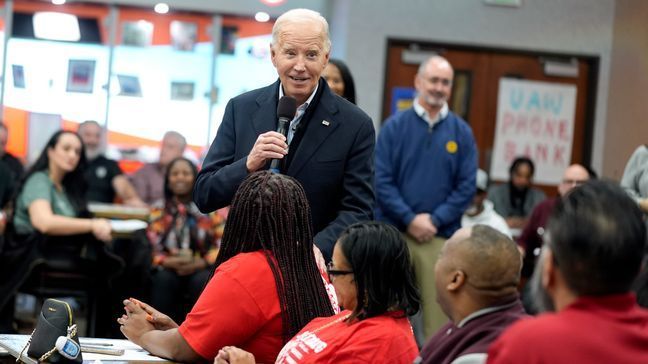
<point>334,272</point>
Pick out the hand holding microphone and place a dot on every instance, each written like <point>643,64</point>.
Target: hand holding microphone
<point>285,112</point>
<point>273,144</point>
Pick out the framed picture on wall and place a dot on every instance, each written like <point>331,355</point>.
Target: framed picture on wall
<point>18,73</point>
<point>461,88</point>
<point>137,33</point>
<point>229,35</point>
<point>183,35</point>
<point>129,86</point>
<point>80,76</point>
<point>183,91</point>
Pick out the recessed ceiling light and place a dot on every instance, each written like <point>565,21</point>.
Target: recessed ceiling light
<point>56,26</point>
<point>273,2</point>
<point>261,17</point>
<point>161,8</point>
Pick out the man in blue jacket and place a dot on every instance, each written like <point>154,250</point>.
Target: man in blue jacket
<point>331,140</point>
<point>426,162</point>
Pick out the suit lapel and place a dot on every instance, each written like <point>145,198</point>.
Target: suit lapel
<point>264,119</point>
<point>320,126</point>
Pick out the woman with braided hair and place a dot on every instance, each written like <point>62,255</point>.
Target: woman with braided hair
<point>265,287</point>
<point>374,282</point>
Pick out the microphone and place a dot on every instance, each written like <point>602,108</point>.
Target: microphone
<point>286,110</point>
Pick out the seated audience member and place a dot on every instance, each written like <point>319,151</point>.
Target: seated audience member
<point>635,177</point>
<point>266,285</point>
<point>103,175</point>
<point>339,79</point>
<point>531,238</point>
<point>481,210</point>
<point>592,252</point>
<point>48,224</point>
<point>515,199</point>
<point>149,179</point>
<point>185,243</point>
<point>14,164</point>
<point>6,191</point>
<point>373,279</point>
<point>640,286</point>
<point>476,278</point>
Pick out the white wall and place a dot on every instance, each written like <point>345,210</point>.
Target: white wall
<point>567,26</point>
<point>627,115</point>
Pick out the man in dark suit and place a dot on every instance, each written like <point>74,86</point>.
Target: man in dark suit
<point>331,140</point>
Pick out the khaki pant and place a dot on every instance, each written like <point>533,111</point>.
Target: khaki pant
<point>424,256</point>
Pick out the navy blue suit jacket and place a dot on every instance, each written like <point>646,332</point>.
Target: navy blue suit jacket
<point>333,162</point>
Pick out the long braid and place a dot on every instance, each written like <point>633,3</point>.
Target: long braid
<point>270,212</point>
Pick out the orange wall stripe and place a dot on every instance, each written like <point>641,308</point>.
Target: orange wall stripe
<point>17,122</point>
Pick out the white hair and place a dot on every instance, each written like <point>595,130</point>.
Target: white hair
<point>301,16</point>
<point>435,58</point>
<point>179,137</point>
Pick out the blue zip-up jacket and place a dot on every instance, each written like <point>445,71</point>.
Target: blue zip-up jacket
<point>420,170</point>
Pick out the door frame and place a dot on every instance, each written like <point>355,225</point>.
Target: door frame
<point>592,76</point>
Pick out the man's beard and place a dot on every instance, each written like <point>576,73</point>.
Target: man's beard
<point>434,101</point>
<point>92,153</point>
<point>542,301</point>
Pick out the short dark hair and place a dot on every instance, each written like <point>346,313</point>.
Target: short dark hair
<point>597,237</point>
<point>349,86</point>
<point>517,162</point>
<point>380,261</point>
<point>270,213</point>
<point>590,171</point>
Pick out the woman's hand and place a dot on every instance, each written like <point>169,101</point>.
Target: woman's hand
<point>233,355</point>
<point>184,266</point>
<point>155,317</point>
<point>190,268</point>
<point>134,323</point>
<point>101,229</point>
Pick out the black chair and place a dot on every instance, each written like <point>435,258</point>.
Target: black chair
<point>75,266</point>
<point>51,280</point>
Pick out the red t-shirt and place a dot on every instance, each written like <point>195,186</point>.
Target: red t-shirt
<point>607,329</point>
<point>384,339</point>
<point>239,307</point>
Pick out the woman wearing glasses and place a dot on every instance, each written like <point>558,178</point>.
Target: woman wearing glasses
<point>373,279</point>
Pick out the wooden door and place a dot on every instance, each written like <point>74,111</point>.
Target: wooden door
<point>475,90</point>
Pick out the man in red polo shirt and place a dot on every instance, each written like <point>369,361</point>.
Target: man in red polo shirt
<point>593,251</point>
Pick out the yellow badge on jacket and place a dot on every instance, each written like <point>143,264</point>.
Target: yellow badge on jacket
<point>451,147</point>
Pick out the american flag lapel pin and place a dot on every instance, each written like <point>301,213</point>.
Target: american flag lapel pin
<point>325,123</point>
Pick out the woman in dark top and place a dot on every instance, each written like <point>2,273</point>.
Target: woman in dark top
<point>339,79</point>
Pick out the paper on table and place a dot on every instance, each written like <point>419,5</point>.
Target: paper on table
<point>127,226</point>
<point>132,352</point>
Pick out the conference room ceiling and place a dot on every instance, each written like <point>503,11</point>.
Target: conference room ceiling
<point>234,7</point>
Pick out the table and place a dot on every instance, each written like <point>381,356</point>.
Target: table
<point>132,353</point>
<point>115,211</point>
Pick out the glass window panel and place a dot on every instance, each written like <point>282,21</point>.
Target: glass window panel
<point>160,80</point>
<point>243,63</point>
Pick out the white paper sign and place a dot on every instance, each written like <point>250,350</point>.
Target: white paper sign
<point>534,119</point>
